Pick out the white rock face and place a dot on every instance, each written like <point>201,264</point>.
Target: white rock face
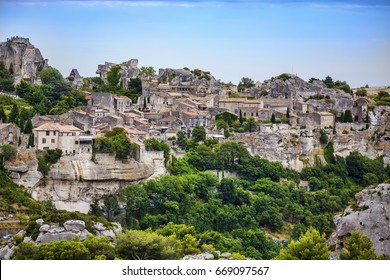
<point>371,218</point>
<point>22,59</point>
<point>74,183</point>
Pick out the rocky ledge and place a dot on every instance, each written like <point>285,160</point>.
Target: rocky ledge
<point>370,216</point>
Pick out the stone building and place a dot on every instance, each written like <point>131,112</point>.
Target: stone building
<point>68,138</point>
<point>360,109</point>
<point>9,134</point>
<point>323,119</point>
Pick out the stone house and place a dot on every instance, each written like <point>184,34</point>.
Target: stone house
<point>192,119</point>
<point>68,138</point>
<point>9,134</point>
<point>122,104</point>
<point>360,109</point>
<point>232,104</point>
<point>323,119</point>
<point>302,107</point>
<point>112,121</point>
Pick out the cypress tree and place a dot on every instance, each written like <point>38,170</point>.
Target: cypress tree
<point>273,120</point>
<point>348,116</point>
<point>13,117</point>
<point>29,126</point>
<point>31,140</point>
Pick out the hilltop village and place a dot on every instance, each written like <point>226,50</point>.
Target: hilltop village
<point>88,138</point>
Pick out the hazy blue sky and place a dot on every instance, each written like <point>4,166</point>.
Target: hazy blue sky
<point>348,40</point>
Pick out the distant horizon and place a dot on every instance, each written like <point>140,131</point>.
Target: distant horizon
<point>347,40</point>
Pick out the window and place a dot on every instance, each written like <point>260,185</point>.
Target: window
<point>53,141</point>
<point>54,133</point>
<point>43,140</point>
<point>47,133</point>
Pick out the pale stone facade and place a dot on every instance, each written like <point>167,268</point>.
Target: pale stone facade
<point>68,138</point>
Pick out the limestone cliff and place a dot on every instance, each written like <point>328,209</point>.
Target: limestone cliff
<point>74,183</point>
<point>370,216</point>
<point>295,88</point>
<point>129,70</point>
<point>22,59</point>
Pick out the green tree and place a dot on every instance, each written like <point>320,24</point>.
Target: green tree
<point>245,83</point>
<point>3,116</point>
<point>310,246</point>
<point>111,207</point>
<point>99,247</point>
<point>273,119</point>
<point>113,76</point>
<point>63,250</point>
<point>358,247</point>
<point>31,140</point>
<point>181,139</point>
<point>6,80</point>
<point>251,124</point>
<point>13,117</point>
<point>199,133</point>
<point>348,116</point>
<point>8,152</point>
<point>23,89</point>
<point>29,126</point>
<point>148,71</point>
<point>328,82</point>
<point>146,245</point>
<point>51,76</point>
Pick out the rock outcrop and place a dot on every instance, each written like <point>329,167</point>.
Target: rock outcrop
<point>51,232</point>
<point>182,77</point>
<point>129,70</point>
<point>74,183</point>
<point>370,216</point>
<point>22,59</point>
<point>294,88</point>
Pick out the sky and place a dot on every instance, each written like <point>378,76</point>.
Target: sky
<point>347,40</point>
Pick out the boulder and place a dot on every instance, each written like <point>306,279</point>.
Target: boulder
<point>44,228</point>
<point>99,227</point>
<point>50,237</point>
<point>6,252</point>
<point>74,225</point>
<point>39,222</point>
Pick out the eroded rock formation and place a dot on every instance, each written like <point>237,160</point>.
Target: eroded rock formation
<point>22,59</point>
<point>370,216</point>
<point>129,70</point>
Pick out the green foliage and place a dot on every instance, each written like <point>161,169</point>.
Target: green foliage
<point>348,116</point>
<point>199,133</point>
<point>46,160</point>
<point>323,137</point>
<point>6,80</point>
<point>8,152</point>
<point>284,77</point>
<point>13,117</point>
<point>14,198</point>
<point>113,76</point>
<point>328,81</point>
<point>382,98</point>
<point>361,92</point>
<point>148,71</point>
<point>310,246</point>
<point>99,247</point>
<point>181,139</point>
<point>329,153</point>
<point>273,119</point>
<point>229,118</point>
<point>116,141</point>
<point>146,245</point>
<point>358,247</point>
<point>245,83</point>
